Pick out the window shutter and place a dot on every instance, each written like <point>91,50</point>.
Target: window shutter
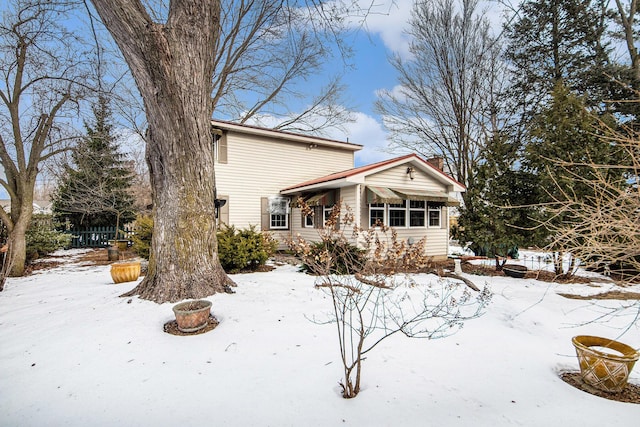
<point>223,215</point>
<point>318,217</point>
<point>444,217</point>
<point>222,149</point>
<point>265,217</point>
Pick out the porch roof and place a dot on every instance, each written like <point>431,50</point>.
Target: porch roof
<point>376,194</point>
<point>429,196</point>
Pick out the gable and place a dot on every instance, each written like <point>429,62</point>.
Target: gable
<point>398,178</point>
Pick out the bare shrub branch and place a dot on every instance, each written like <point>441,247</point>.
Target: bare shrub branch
<point>376,296</point>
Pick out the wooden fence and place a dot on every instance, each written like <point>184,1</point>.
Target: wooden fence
<point>96,237</point>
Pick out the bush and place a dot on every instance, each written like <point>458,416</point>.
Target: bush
<point>343,257</point>
<point>42,238</point>
<point>245,249</point>
<point>141,238</point>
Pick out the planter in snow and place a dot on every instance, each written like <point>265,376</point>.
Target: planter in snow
<point>192,316</point>
<point>113,254</point>
<point>121,244</point>
<point>125,271</point>
<point>604,364</point>
<point>515,270</point>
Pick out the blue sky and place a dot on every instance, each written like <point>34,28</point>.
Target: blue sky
<point>383,35</point>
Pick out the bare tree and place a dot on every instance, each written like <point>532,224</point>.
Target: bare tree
<point>446,102</point>
<point>179,56</point>
<point>626,14</point>
<point>601,229</point>
<point>265,50</point>
<point>373,296</point>
<point>43,78</point>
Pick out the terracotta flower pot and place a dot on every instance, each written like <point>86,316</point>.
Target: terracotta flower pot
<point>605,370</point>
<point>192,316</point>
<point>125,271</point>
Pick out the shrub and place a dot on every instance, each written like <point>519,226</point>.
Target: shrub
<point>245,249</point>
<point>42,238</point>
<point>141,238</point>
<point>372,301</point>
<point>341,256</point>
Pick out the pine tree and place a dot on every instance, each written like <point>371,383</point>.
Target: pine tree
<point>566,141</point>
<point>556,41</point>
<point>497,220</point>
<point>95,187</point>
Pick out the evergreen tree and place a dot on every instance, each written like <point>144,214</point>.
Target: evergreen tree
<point>95,188</point>
<point>557,41</point>
<point>565,132</point>
<point>498,219</point>
<point>566,141</point>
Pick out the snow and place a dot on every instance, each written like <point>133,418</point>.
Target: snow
<point>72,352</point>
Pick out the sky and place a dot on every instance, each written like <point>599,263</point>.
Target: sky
<point>382,35</point>
<point>373,41</point>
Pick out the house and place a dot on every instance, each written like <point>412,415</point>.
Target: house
<point>39,206</point>
<point>261,173</point>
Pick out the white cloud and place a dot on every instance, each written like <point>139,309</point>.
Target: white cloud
<point>389,20</point>
<point>368,132</point>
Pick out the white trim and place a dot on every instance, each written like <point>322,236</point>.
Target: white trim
<point>307,225</point>
<point>279,206</point>
<point>393,207</point>
<point>286,136</point>
<point>434,209</point>
<point>424,214</point>
<point>382,208</point>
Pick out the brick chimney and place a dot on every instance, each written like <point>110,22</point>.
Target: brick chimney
<point>437,162</point>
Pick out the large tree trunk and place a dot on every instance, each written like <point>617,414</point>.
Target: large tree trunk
<point>20,219</point>
<point>173,68</point>
<point>17,253</point>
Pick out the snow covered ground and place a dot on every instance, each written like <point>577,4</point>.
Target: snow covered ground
<point>73,353</point>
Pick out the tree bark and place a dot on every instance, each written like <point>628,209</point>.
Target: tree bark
<point>172,65</point>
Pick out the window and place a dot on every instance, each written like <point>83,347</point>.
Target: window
<point>308,221</point>
<point>417,213</point>
<point>434,216</point>
<point>326,212</point>
<point>398,214</point>
<point>411,213</point>
<point>376,214</point>
<point>278,213</point>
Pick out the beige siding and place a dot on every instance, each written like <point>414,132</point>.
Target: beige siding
<point>349,198</point>
<point>398,178</point>
<point>259,167</point>
<point>347,195</point>
<point>307,233</point>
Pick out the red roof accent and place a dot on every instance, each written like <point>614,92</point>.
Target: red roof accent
<point>355,171</point>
